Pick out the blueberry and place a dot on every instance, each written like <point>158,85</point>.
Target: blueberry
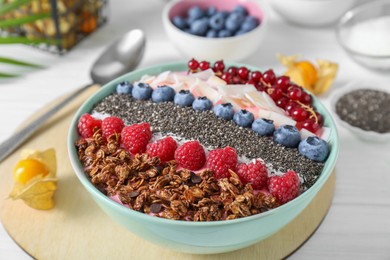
<point>184,98</point>
<point>199,27</point>
<point>124,87</point>
<point>243,118</point>
<point>287,135</point>
<point>190,21</point>
<point>249,23</point>
<point>239,32</point>
<point>141,91</point>
<point>196,12</point>
<point>224,33</point>
<point>263,126</point>
<point>234,21</point>
<point>217,21</point>
<point>210,11</point>
<point>241,10</point>
<point>225,14</point>
<point>163,94</point>
<point>224,111</point>
<point>212,34</point>
<point>179,22</point>
<point>314,148</point>
<point>202,104</point>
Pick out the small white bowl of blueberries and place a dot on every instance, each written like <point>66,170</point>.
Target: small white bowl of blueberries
<point>212,29</point>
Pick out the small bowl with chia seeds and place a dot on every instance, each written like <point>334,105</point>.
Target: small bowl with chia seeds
<point>364,109</point>
<point>189,235</point>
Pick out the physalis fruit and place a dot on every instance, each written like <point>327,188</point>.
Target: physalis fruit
<point>35,178</point>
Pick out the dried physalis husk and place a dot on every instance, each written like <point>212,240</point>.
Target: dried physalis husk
<point>317,79</point>
<point>35,178</point>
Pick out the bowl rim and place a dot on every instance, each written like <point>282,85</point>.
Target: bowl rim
<point>168,23</point>
<point>109,88</point>
<point>349,87</point>
<point>347,16</point>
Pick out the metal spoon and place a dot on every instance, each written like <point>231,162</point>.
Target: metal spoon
<point>122,56</point>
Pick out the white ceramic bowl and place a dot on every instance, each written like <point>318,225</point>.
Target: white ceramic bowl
<point>362,36</point>
<point>230,48</point>
<point>311,12</point>
<point>365,135</point>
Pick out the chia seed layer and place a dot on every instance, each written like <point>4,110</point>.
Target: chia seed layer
<point>210,131</point>
<point>367,109</point>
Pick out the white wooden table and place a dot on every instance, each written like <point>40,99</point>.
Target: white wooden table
<point>358,223</point>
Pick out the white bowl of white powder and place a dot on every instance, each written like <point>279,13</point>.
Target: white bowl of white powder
<point>364,32</point>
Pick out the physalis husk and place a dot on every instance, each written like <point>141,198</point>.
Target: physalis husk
<point>316,79</point>
<point>35,178</point>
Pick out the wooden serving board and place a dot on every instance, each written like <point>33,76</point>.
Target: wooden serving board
<point>77,229</point>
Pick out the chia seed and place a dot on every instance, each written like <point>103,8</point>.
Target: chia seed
<point>367,109</point>
<point>211,131</point>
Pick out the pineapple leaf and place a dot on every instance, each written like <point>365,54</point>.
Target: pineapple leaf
<point>18,62</point>
<point>5,8</point>
<point>23,20</point>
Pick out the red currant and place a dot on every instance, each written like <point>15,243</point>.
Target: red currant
<point>226,76</point>
<point>311,125</point>
<point>299,114</point>
<point>320,119</point>
<point>243,72</point>
<point>193,64</point>
<point>306,98</point>
<point>232,70</point>
<point>282,102</point>
<point>251,82</point>
<point>256,76</point>
<point>236,80</point>
<point>260,87</point>
<point>295,93</point>
<point>290,105</point>
<point>283,82</point>
<point>275,92</point>
<point>219,66</point>
<point>269,77</point>
<point>204,65</point>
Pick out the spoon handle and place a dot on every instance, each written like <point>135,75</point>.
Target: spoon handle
<point>14,141</point>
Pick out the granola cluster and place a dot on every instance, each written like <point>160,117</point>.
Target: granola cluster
<point>146,185</point>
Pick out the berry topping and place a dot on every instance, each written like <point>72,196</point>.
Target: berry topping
<point>112,125</point>
<point>254,173</point>
<point>204,65</point>
<point>224,111</point>
<point>287,135</point>
<point>202,104</point>
<point>314,148</point>
<point>219,66</point>
<point>164,149</point>
<point>124,87</point>
<point>263,126</point>
<point>136,137</point>
<point>243,72</point>
<point>87,125</point>
<point>193,64</point>
<point>141,91</point>
<point>184,98</point>
<point>243,118</point>
<point>284,188</point>
<point>269,77</point>
<point>221,160</point>
<point>191,155</point>
<point>163,94</point>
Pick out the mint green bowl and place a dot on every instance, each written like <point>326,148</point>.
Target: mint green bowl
<point>197,237</point>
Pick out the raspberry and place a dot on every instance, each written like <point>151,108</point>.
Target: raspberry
<point>164,149</point>
<point>221,160</point>
<point>112,125</point>
<point>136,137</point>
<point>284,188</point>
<point>87,125</point>
<point>191,155</point>
<point>254,173</point>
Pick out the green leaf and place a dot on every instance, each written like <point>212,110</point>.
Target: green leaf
<point>18,62</point>
<point>5,75</point>
<point>23,20</point>
<point>12,6</point>
<point>12,40</point>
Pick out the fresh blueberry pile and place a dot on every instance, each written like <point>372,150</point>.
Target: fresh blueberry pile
<point>213,23</point>
<point>313,148</point>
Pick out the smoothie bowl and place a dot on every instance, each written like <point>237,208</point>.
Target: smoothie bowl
<point>202,158</point>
